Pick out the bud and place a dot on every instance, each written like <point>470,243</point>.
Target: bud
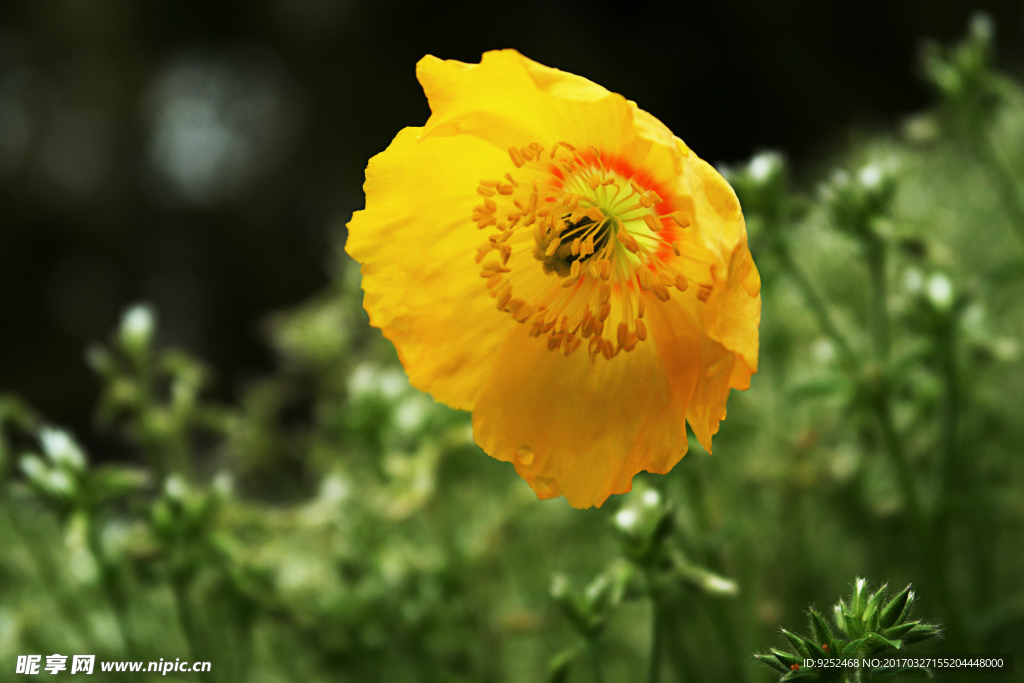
<point>940,292</point>
<point>137,325</point>
<point>61,449</point>
<point>762,186</point>
<point>856,204</point>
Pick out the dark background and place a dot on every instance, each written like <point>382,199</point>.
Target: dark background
<point>200,155</point>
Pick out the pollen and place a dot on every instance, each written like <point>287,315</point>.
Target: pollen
<point>585,246</point>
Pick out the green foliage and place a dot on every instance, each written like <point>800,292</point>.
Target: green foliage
<point>865,626</point>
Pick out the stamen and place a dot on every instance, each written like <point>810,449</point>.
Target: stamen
<point>595,247</point>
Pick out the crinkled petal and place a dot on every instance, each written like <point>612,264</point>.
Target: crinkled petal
<point>583,430</point>
<point>509,100</point>
<point>416,244</point>
<point>731,314</point>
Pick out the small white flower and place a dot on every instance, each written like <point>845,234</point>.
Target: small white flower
<point>626,519</point>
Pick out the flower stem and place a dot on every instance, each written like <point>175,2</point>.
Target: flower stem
<point>949,493</point>
<point>185,616</point>
<point>1001,177</point>
<point>596,663</point>
<point>880,298</point>
<point>657,640</point>
<point>934,565</point>
<point>814,302</point>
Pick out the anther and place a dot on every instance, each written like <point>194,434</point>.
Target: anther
<point>595,214</point>
<point>493,267</point>
<point>517,158</point>
<point>661,291</point>
<point>681,283</point>
<point>570,344</point>
<point>504,297</point>
<point>653,223</point>
<point>524,314</point>
<point>641,329</point>
<point>627,241</point>
<point>681,220</point>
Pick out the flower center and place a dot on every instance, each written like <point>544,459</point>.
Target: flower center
<point>583,244</point>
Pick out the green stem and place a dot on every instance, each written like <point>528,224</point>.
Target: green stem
<point>934,565</point>
<point>949,493</point>
<point>1001,177</point>
<point>726,632</point>
<point>880,298</point>
<point>814,302</point>
<point>109,581</point>
<point>657,639</point>
<point>185,617</point>
<point>596,663</point>
<point>681,662</point>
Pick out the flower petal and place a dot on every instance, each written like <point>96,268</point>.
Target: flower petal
<point>583,430</point>
<point>416,244</point>
<point>510,100</point>
<point>732,311</point>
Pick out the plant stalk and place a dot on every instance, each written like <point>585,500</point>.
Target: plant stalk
<point>815,303</point>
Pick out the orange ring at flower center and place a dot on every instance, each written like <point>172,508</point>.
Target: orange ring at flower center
<point>581,243</point>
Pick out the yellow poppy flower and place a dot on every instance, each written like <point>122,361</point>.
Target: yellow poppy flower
<point>550,257</point>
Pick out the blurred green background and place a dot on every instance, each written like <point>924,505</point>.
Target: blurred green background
<point>238,472</point>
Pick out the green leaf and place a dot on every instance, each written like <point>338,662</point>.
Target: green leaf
<point>854,627</point>
<point>920,633</point>
<point>820,630</point>
<point>870,616</point>
<point>787,658</point>
<point>799,644</point>
<point>857,600</point>
<point>773,662</point>
<point>898,631</point>
<point>892,613</point>
<point>839,617</point>
<point>112,481</point>
<point>877,643</point>
<point>883,642</point>
<point>558,670</point>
